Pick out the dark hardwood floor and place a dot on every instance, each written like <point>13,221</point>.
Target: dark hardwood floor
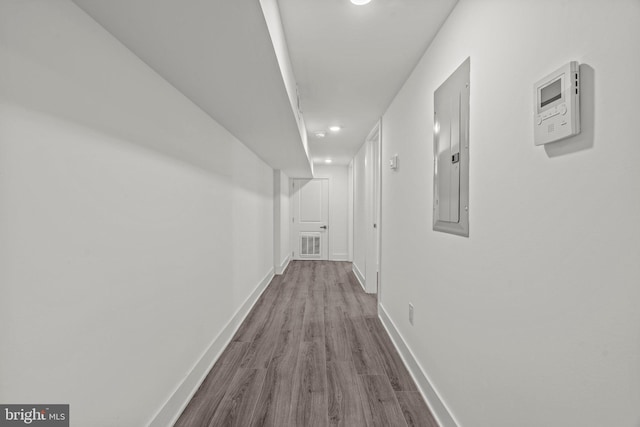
<point>312,352</point>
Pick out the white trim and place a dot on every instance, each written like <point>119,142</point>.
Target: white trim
<point>350,210</point>
<point>329,232</point>
<point>438,407</point>
<point>172,409</point>
<point>339,257</point>
<point>379,213</point>
<point>283,265</point>
<point>358,275</point>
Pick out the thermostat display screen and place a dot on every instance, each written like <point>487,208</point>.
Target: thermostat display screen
<point>551,92</point>
<point>556,105</point>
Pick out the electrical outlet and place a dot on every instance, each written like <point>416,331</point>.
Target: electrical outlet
<point>411,313</point>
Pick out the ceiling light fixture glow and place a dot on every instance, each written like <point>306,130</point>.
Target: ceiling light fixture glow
<point>320,134</point>
<point>334,128</point>
<point>360,2</point>
<point>328,161</point>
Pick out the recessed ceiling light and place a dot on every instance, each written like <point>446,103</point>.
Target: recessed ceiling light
<point>334,128</point>
<point>328,161</point>
<point>360,2</point>
<point>320,134</point>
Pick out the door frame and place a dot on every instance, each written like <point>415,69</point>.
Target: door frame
<point>374,217</point>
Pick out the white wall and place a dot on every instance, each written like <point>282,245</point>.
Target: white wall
<point>532,320</point>
<point>132,226</point>
<point>281,221</point>
<point>338,209</point>
<point>360,213</point>
<point>271,12</point>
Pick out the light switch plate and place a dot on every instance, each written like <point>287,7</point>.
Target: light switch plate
<point>393,162</point>
<point>411,313</point>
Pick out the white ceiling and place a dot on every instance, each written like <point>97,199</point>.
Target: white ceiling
<point>349,61</point>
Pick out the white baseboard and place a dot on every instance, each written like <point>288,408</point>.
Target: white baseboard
<point>283,265</point>
<point>439,409</point>
<point>172,409</point>
<point>359,275</point>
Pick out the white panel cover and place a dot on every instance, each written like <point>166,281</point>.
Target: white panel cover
<point>311,201</point>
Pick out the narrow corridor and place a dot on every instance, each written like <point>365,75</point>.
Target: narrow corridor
<point>312,352</point>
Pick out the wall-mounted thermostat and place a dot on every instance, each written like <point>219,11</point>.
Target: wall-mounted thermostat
<point>557,109</point>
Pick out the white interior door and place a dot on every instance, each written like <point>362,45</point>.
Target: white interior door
<point>310,222</point>
<point>373,208</point>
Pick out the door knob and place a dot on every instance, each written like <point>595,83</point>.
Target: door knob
<point>324,227</point>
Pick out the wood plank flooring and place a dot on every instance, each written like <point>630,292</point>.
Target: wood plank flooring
<point>312,352</point>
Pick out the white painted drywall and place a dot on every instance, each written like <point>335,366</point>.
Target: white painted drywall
<point>281,221</point>
<point>360,213</point>
<point>132,225</point>
<point>221,55</point>
<point>271,12</point>
<point>338,209</point>
<point>533,320</point>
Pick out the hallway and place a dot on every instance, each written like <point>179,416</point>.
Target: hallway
<point>312,352</point>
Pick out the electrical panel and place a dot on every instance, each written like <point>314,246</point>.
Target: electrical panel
<point>451,153</point>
